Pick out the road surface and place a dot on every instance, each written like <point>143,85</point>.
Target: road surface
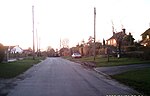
<point>60,77</point>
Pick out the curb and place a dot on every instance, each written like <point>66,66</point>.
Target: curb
<point>101,73</point>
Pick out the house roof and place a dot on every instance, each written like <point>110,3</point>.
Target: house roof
<point>117,35</point>
<point>146,32</point>
<point>13,48</point>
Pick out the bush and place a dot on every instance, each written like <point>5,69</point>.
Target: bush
<point>134,54</point>
<point>146,55</point>
<point>142,53</point>
<point>102,51</point>
<point>2,53</point>
<point>130,48</point>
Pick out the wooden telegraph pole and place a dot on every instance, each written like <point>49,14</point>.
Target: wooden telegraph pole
<point>33,32</point>
<point>94,32</point>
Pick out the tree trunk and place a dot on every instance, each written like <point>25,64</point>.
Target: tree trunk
<point>119,49</point>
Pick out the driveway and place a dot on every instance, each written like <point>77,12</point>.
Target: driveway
<point>60,77</point>
<point>120,69</point>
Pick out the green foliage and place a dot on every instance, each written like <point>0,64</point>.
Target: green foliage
<point>2,53</point>
<point>102,51</point>
<point>13,69</point>
<point>129,39</point>
<point>141,52</point>
<point>146,55</point>
<point>130,48</point>
<point>103,61</point>
<point>50,51</point>
<point>138,79</point>
<point>134,54</point>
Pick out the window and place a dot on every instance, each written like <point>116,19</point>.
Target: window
<point>109,42</point>
<point>147,36</point>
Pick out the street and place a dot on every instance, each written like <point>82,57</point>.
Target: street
<point>60,77</point>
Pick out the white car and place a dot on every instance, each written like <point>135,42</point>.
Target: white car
<point>76,55</point>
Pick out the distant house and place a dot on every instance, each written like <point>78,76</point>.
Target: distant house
<point>11,51</point>
<point>64,52</point>
<point>146,38</point>
<point>115,38</point>
<point>16,49</point>
<point>27,52</point>
<point>120,38</point>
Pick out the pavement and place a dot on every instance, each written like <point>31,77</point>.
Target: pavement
<point>60,77</point>
<point>119,69</point>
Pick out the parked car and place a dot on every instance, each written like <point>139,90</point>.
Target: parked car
<point>76,55</point>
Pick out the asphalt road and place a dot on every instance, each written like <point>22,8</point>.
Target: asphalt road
<point>60,77</point>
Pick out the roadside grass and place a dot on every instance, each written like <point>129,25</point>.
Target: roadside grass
<point>137,79</point>
<point>13,69</point>
<point>113,61</point>
<point>67,57</point>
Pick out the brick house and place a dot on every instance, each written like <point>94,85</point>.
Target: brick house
<point>115,38</point>
<point>146,38</point>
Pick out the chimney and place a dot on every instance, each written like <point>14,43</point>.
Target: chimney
<point>113,33</point>
<point>124,30</point>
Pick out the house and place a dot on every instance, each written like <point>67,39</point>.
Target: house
<point>117,36</point>
<point>27,52</point>
<point>16,49</point>
<point>146,38</point>
<point>64,52</point>
<point>12,52</point>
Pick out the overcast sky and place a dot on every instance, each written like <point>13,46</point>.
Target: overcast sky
<point>71,19</point>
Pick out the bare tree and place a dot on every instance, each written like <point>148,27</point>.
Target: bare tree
<point>50,51</point>
<point>65,43</point>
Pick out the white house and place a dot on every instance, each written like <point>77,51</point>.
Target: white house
<point>16,49</point>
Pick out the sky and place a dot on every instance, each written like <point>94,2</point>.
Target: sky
<point>69,19</point>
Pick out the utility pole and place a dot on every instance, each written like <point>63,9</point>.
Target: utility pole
<point>37,42</point>
<point>94,32</point>
<point>33,31</point>
<point>60,43</point>
<point>39,46</point>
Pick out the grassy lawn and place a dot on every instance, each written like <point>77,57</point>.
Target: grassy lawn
<point>137,79</point>
<point>12,69</point>
<point>103,61</point>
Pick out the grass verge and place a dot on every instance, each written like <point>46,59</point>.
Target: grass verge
<point>13,69</point>
<point>113,61</point>
<point>137,79</point>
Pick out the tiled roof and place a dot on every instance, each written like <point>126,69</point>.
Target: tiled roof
<point>117,35</point>
<point>146,32</point>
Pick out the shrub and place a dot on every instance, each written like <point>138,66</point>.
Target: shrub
<point>130,48</point>
<point>134,54</point>
<point>142,53</point>
<point>2,53</point>
<point>102,51</point>
<point>146,55</point>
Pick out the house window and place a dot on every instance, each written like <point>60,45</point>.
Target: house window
<point>109,42</point>
<point>114,41</point>
<point>147,36</point>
